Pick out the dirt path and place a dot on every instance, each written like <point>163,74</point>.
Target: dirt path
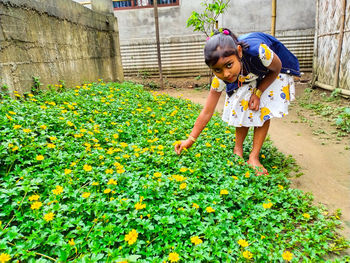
<point>324,161</point>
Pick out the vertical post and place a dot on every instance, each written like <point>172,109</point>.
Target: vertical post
<point>158,42</point>
<point>340,45</point>
<point>315,58</point>
<point>273,18</point>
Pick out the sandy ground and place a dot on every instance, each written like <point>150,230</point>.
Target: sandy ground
<point>324,160</point>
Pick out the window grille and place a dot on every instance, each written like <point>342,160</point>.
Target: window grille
<point>133,4</point>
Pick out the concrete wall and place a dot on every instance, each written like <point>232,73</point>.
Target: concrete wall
<point>56,40</point>
<point>242,16</point>
<point>182,49</point>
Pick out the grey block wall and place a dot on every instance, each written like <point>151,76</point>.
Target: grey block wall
<point>56,40</point>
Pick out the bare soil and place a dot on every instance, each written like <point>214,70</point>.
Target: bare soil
<point>323,157</point>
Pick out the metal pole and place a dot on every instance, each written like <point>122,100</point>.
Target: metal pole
<point>273,18</point>
<point>158,42</point>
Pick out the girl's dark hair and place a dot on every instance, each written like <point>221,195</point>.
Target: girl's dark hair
<point>221,45</point>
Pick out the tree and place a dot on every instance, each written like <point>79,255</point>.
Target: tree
<point>205,22</point>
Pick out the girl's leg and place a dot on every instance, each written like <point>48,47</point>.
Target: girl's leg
<point>241,133</point>
<point>258,140</point>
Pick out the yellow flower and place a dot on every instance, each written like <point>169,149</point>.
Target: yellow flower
<point>183,169</point>
<point>280,187</point>
<point>247,254</point>
<point>27,130</point>
<point>86,194</point>
<point>263,156</point>
<point>223,192</point>
<point>40,157</point>
<point>131,237</point>
<point>198,155</point>
<point>15,148</point>
<point>71,242</point>
<point>107,191</point>
<point>44,127</point>
<point>267,205</point>
<point>109,171</point>
<point>49,216</point>
<point>194,205</point>
<point>196,240</point>
<point>243,243</point>
<point>67,171</point>
<point>51,145</point>
<point>247,174</point>
<point>17,126</point>
<point>87,168</point>
<point>34,197</point>
<point>58,190</point>
<point>210,209</point>
<point>157,174</point>
<point>174,257</point>
<point>287,255</point>
<point>36,205</point>
<point>306,215</point>
<point>207,144</point>
<point>4,257</point>
<point>183,186</point>
<point>140,205</point>
<point>112,181</point>
<point>95,183</point>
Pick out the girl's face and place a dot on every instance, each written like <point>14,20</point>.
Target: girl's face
<point>228,68</point>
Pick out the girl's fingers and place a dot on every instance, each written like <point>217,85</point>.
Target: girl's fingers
<point>178,148</point>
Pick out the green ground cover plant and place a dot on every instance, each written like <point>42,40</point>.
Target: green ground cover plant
<point>90,175</point>
<point>328,106</point>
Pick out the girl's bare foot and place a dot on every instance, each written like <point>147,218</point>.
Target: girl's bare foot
<point>238,152</point>
<point>258,167</point>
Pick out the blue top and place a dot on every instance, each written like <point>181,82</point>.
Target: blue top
<point>252,62</point>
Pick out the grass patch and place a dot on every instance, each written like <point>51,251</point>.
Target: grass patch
<point>90,174</point>
<point>331,107</point>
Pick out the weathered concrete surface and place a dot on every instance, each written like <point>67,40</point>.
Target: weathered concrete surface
<point>102,6</point>
<point>56,40</point>
<point>241,16</point>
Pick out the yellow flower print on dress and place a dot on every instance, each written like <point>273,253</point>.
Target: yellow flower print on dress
<point>265,55</point>
<point>285,93</point>
<point>244,104</point>
<point>250,116</point>
<point>215,83</point>
<point>265,114</point>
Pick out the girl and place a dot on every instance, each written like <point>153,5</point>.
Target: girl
<point>256,72</point>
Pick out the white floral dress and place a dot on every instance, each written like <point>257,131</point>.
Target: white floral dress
<point>274,100</point>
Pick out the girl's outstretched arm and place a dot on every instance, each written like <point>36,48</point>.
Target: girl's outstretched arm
<point>202,120</point>
<point>275,68</point>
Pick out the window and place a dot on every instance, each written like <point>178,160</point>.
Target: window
<point>132,4</point>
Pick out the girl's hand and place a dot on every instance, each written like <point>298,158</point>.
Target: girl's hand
<point>184,144</point>
<point>254,102</point>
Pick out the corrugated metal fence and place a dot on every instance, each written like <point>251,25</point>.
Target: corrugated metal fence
<point>183,57</point>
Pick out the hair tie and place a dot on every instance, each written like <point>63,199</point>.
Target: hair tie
<point>226,32</point>
<point>208,38</point>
